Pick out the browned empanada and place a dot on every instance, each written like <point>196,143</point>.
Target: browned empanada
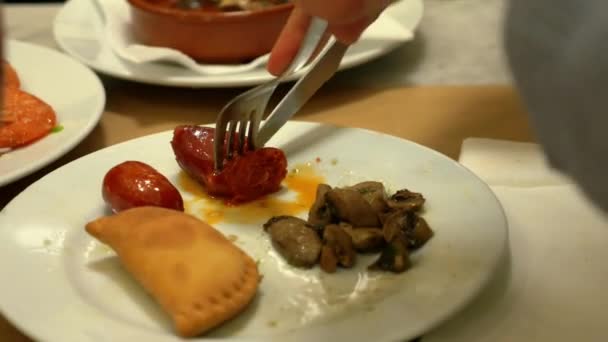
<point>197,275</point>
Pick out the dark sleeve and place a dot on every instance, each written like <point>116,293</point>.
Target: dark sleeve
<point>558,53</point>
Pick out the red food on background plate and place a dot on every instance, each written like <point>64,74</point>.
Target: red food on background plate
<point>135,184</point>
<point>243,178</point>
<point>27,117</point>
<point>11,79</point>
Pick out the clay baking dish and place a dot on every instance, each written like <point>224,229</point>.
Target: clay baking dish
<point>208,36</point>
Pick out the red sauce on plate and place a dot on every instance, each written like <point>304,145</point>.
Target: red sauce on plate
<point>301,183</point>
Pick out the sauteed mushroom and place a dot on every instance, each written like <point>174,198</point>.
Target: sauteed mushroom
<point>394,257</point>
<point>341,243</point>
<point>329,260</point>
<point>360,218</point>
<point>320,213</point>
<point>418,232</point>
<point>414,228</point>
<point>374,193</point>
<point>366,240</point>
<point>406,200</point>
<point>295,240</point>
<point>394,224</point>
<point>350,206</point>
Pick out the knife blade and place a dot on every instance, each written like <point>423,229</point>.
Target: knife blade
<point>319,72</point>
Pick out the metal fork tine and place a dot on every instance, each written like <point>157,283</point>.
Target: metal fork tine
<point>220,152</point>
<point>230,140</point>
<point>242,134</point>
<point>251,131</point>
<point>243,114</point>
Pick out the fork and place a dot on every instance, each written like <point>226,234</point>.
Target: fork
<point>242,115</point>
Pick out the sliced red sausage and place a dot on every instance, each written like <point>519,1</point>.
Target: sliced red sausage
<point>28,118</point>
<point>11,79</point>
<point>242,179</point>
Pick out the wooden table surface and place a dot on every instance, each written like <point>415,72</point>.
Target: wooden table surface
<point>437,117</point>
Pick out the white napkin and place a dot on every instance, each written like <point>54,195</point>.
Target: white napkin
<point>553,288</point>
<point>118,34</point>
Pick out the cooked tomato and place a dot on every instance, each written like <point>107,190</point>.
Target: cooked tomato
<point>242,178</point>
<point>29,118</point>
<point>135,184</point>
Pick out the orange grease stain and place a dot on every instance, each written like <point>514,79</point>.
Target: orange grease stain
<point>296,196</point>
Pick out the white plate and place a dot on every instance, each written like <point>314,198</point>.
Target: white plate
<point>65,287</point>
<point>74,92</point>
<point>78,30</point>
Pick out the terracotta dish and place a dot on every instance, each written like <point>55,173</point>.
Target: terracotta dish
<point>208,35</point>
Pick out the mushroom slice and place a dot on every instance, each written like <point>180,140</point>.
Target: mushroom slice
<point>366,240</point>
<point>349,206</point>
<point>341,243</point>
<point>418,232</point>
<point>394,257</point>
<point>295,240</point>
<point>320,212</point>
<point>408,224</point>
<point>374,193</point>
<point>406,200</point>
<point>394,225</point>
<point>329,260</point>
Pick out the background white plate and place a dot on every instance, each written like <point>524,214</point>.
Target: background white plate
<point>74,92</point>
<point>64,286</point>
<point>78,30</point>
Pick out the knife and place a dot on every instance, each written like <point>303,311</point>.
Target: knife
<point>321,70</point>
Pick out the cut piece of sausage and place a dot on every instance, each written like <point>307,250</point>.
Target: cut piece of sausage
<point>244,178</point>
<point>29,118</point>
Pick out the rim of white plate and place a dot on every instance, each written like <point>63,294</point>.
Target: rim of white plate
<point>348,62</point>
<point>448,313</point>
<point>76,139</point>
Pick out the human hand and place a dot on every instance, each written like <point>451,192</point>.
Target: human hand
<point>347,19</point>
